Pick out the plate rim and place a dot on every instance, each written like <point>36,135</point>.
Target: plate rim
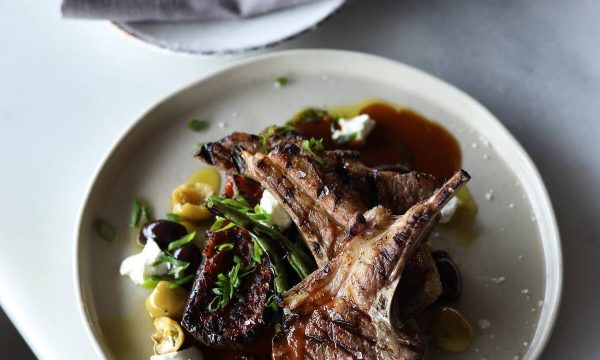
<point>554,243</point>
<point>142,38</point>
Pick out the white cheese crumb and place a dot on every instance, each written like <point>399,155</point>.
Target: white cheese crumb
<point>360,127</point>
<point>140,267</point>
<point>489,195</point>
<point>222,125</point>
<point>191,353</point>
<point>511,205</point>
<point>449,210</point>
<point>524,291</point>
<point>280,217</point>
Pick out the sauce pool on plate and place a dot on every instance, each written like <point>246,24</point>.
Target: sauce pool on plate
<point>401,136</point>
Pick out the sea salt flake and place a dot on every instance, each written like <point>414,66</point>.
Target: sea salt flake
<point>520,257</point>
<point>222,125</point>
<point>498,280</point>
<point>489,195</point>
<point>511,205</point>
<point>540,303</point>
<point>474,145</point>
<point>484,141</point>
<point>486,156</point>
<point>526,343</point>
<point>525,291</point>
<point>484,324</point>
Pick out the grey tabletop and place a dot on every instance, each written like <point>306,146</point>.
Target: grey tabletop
<point>534,64</point>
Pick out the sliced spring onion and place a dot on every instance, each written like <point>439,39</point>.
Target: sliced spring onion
<point>173,217</point>
<point>225,246</point>
<point>197,125</point>
<point>105,230</point>
<point>184,240</point>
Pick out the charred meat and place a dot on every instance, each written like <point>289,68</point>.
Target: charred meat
<point>326,194</point>
<point>344,310</point>
<point>246,314</point>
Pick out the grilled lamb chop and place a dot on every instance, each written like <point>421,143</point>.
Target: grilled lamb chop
<point>344,309</point>
<point>325,197</point>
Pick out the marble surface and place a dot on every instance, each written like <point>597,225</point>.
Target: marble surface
<point>69,88</point>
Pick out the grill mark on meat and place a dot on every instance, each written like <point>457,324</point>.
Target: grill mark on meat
<point>365,274</point>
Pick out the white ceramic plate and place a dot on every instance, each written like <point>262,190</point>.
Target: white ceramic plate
<point>233,36</point>
<point>512,271</point>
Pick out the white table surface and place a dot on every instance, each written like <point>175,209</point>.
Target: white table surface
<point>69,88</point>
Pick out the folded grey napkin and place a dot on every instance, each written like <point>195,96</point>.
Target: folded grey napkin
<point>172,10</point>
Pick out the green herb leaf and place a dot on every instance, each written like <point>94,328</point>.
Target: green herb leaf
<point>197,125</point>
<point>344,139</point>
<point>224,247</point>
<point>105,230</point>
<point>274,130</point>
<point>227,285</point>
<point>184,280</point>
<point>281,81</point>
<point>173,217</point>
<point>140,210</point>
<point>311,145</point>
<point>184,240</point>
<point>150,283</point>
<point>310,115</point>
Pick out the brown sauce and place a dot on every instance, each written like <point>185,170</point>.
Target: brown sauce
<point>401,136</point>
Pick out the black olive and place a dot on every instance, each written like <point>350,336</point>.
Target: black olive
<point>449,276</point>
<point>163,232</point>
<point>439,254</point>
<point>191,254</point>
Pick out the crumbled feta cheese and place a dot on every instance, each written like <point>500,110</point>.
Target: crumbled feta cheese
<point>449,210</point>
<point>280,217</point>
<point>140,267</point>
<point>191,353</point>
<point>358,127</point>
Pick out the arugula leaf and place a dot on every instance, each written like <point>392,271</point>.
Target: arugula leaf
<point>197,125</point>
<point>184,240</point>
<point>105,230</point>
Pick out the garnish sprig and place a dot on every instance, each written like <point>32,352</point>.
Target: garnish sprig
<point>233,212</point>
